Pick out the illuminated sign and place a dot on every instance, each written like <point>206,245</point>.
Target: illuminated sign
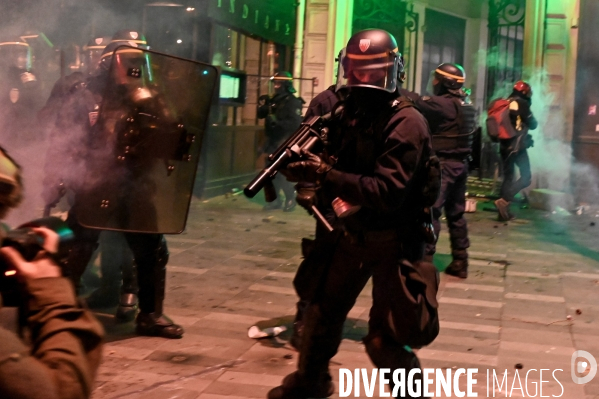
<point>272,20</point>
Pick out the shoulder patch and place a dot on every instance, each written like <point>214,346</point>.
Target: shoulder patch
<point>514,106</point>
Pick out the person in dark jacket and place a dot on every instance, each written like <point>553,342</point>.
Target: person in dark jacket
<point>514,151</point>
<point>282,114</point>
<point>373,163</point>
<point>452,121</point>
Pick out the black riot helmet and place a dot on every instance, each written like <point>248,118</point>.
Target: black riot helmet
<point>448,78</point>
<point>92,53</point>
<point>130,70</point>
<point>130,37</point>
<point>283,82</point>
<point>372,60</point>
<point>16,53</point>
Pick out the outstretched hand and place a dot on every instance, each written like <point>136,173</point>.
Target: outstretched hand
<point>42,266</point>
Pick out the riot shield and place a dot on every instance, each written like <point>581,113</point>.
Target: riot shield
<point>146,143</point>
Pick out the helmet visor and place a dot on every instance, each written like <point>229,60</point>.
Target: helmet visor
<point>17,55</point>
<point>341,80</point>
<point>131,67</point>
<point>377,70</point>
<point>92,59</point>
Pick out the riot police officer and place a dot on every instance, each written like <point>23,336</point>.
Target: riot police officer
<point>282,114</point>
<point>19,93</point>
<point>514,151</point>
<point>452,120</point>
<point>65,85</point>
<point>72,142</point>
<point>372,163</point>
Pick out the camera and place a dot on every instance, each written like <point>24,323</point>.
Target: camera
<point>28,243</point>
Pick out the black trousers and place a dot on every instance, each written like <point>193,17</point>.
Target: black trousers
<point>149,251</point>
<point>510,188</point>
<point>348,269</point>
<point>454,176</point>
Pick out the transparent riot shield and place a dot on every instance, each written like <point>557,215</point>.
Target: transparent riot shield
<point>146,143</point>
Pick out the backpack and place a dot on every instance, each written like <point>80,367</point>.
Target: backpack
<point>499,124</point>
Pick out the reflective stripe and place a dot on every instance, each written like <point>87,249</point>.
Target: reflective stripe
<point>369,56</point>
<point>459,79</point>
<point>124,51</point>
<point>129,41</point>
<point>18,43</point>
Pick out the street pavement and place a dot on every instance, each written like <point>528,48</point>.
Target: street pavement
<point>531,300</point>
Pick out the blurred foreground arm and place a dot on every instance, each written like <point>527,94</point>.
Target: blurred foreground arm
<point>66,340</point>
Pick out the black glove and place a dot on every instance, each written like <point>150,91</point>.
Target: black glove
<point>306,196</point>
<point>263,100</point>
<point>528,141</point>
<point>311,169</point>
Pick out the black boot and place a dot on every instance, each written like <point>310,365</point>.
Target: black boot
<point>271,206</point>
<point>458,268</point>
<point>290,205</point>
<point>503,207</point>
<point>293,387</point>
<point>151,256</point>
<point>127,308</point>
<point>156,325</point>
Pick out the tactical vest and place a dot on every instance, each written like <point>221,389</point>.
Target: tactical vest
<point>458,139</point>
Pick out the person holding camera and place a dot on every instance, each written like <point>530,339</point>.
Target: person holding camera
<point>66,340</point>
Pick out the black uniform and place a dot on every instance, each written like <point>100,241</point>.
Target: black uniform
<point>283,115</point>
<point>380,154</point>
<point>513,151</point>
<point>19,102</point>
<point>70,151</point>
<point>452,123</point>
<point>322,103</point>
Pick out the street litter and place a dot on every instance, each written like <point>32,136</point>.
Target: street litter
<point>256,333</point>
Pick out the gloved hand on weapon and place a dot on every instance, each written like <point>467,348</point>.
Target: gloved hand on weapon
<point>306,195</point>
<point>311,168</point>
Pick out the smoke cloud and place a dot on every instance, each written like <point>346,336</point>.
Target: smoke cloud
<point>51,27</point>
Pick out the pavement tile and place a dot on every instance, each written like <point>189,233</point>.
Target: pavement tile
<point>234,265</point>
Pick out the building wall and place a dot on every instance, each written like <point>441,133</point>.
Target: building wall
<point>327,30</point>
<point>475,13</point>
<point>550,52</point>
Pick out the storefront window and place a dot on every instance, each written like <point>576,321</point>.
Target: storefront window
<point>259,58</point>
